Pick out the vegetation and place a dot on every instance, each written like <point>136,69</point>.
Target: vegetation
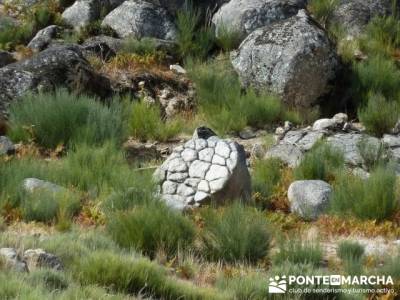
<point>237,233</point>
<point>374,198</point>
<point>321,162</point>
<point>298,252</point>
<point>351,254</point>
<point>151,228</point>
<point>322,10</point>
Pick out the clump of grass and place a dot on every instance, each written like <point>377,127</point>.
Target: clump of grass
<point>222,102</point>
<point>146,123</point>
<point>351,253</point>
<point>322,10</point>
<point>52,280</point>
<point>266,175</point>
<point>381,36</point>
<point>377,75</point>
<point>227,38</point>
<point>151,228</point>
<point>136,276</point>
<point>379,115</point>
<point>144,46</point>
<point>374,198</point>
<point>373,152</point>
<point>62,118</point>
<point>321,162</point>
<point>298,252</point>
<point>194,39</point>
<point>245,287</point>
<point>43,205</point>
<point>237,233</point>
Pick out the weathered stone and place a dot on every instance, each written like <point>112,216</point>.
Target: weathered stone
<point>217,172</point>
<point>38,258</point>
<point>309,198</point>
<point>44,37</point>
<point>293,58</point>
<point>204,186</point>
<point>288,153</point>
<point>12,260</point>
<point>6,146</point>
<point>324,124</point>
<point>169,187</point>
<point>6,58</point>
<point>32,185</point>
<point>189,155</point>
<point>223,149</point>
<point>137,18</point>
<point>218,160</point>
<point>198,169</point>
<point>245,16</point>
<point>206,154</point>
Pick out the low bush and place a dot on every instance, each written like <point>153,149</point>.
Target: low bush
<point>222,102</point>
<point>52,280</point>
<point>379,115</point>
<point>237,233</point>
<point>352,254</point>
<point>266,175</point>
<point>62,118</point>
<point>298,252</point>
<point>374,153</point>
<point>321,162</point>
<point>228,39</point>
<point>322,10</point>
<point>374,198</point>
<point>146,123</point>
<point>151,228</point>
<point>377,75</point>
<point>136,276</point>
<point>144,46</point>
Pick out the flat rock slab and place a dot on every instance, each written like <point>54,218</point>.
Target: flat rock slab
<point>204,170</point>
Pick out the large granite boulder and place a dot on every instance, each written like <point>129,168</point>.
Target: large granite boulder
<point>138,19</point>
<point>245,16</point>
<point>293,58</point>
<point>205,169</point>
<point>44,37</point>
<point>309,198</point>
<point>53,67</point>
<point>354,15</point>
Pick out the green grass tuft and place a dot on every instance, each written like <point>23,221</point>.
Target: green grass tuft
<point>298,252</point>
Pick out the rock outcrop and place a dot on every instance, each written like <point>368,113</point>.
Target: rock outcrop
<point>206,169</point>
<point>44,37</point>
<point>293,58</point>
<point>6,58</point>
<point>6,146</point>
<point>51,68</point>
<point>309,198</point>
<point>138,19</point>
<point>244,16</point>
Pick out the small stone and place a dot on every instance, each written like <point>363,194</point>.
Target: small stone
<point>185,190</point>
<point>201,197</point>
<point>217,172</point>
<point>169,187</point>
<point>38,258</point>
<point>6,146</point>
<point>189,155</point>
<point>177,165</point>
<point>192,182</point>
<point>12,260</point>
<point>206,154</point>
<point>203,186</point>
<point>177,69</point>
<point>198,169</point>
<point>218,160</point>
<point>223,149</point>
<point>177,177</point>
<point>200,144</point>
<point>247,134</point>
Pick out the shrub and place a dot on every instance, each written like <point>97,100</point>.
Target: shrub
<point>377,75</point>
<point>351,253</point>
<point>374,153</point>
<point>51,279</point>
<point>246,287</point>
<point>266,175</point>
<point>227,39</point>
<point>193,40</point>
<point>146,123</point>
<point>237,233</point>
<point>298,252</point>
<point>151,228</point>
<point>321,162</point>
<point>382,36</point>
<point>322,9</point>
<point>43,206</point>
<point>62,118</point>
<point>136,276</point>
<point>379,116</point>
<point>374,198</point>
<point>222,102</point>
<point>144,46</point>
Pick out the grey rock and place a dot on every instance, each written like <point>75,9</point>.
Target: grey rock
<point>82,13</point>
<point>309,198</point>
<point>340,118</point>
<point>245,16</point>
<point>247,134</point>
<point>102,45</point>
<point>51,68</point>
<point>38,258</point>
<point>44,37</point>
<point>293,58</point>
<point>203,133</point>
<point>32,185</point>
<point>6,58</point>
<point>210,176</point>
<point>177,69</point>
<point>354,15</point>
<point>323,124</point>
<point>6,146</point>
<point>288,153</point>
<point>137,18</point>
<point>12,260</point>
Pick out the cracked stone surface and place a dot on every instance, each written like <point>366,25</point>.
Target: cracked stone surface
<point>204,170</point>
